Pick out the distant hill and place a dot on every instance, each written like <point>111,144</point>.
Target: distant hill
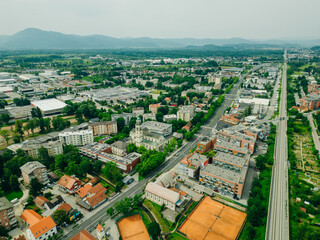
<point>32,38</point>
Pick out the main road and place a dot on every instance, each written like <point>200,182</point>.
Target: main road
<point>278,212</point>
<point>92,222</point>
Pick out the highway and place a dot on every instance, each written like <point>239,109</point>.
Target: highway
<point>138,188</point>
<point>278,212</point>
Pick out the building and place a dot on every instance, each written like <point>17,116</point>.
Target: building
<point>169,118</point>
<point>157,127</point>
<point>191,164</point>
<point>153,108</point>
<point>95,197</point>
<point>41,228</point>
<point>186,113</point>
<point>102,152</point>
<point>103,128</point>
<point>83,235</point>
<point>151,135</point>
<point>311,101</point>
<point>76,138</point>
<point>126,116</point>
<point>31,148</point>
<point>240,136</point>
<point>7,217</point>
<point>162,196</point>
<point>34,170</point>
<point>226,174</point>
<point>231,119</point>
<point>69,184</point>
<point>150,116</point>
<point>138,111</point>
<point>49,106</point>
<point>119,148</point>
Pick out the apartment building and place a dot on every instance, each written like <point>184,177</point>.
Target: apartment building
<point>34,169</point>
<point>240,136</point>
<point>311,101</point>
<point>54,148</point>
<point>226,174</point>
<point>191,164</point>
<point>138,111</point>
<point>7,217</point>
<point>126,116</point>
<point>103,128</point>
<point>153,108</point>
<point>102,152</point>
<point>186,113</point>
<point>40,228</point>
<point>76,138</point>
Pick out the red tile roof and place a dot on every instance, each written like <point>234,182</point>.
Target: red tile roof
<point>83,191</point>
<point>40,200</point>
<point>30,216</point>
<point>83,235</point>
<point>65,206</point>
<point>68,182</point>
<point>43,226</point>
<point>96,195</point>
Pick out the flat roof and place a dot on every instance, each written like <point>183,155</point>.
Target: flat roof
<point>49,104</point>
<point>229,158</point>
<point>162,192</point>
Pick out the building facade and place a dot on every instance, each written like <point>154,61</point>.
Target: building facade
<point>34,170</point>
<point>76,138</point>
<point>186,113</point>
<point>102,128</point>
<point>7,217</point>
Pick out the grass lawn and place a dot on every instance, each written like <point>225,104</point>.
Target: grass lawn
<point>156,210</point>
<point>176,236</point>
<point>12,195</point>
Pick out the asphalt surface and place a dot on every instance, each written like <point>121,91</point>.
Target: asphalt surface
<point>278,212</point>
<point>91,223</point>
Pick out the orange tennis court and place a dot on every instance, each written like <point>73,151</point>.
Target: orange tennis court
<point>133,228</point>
<point>213,220</point>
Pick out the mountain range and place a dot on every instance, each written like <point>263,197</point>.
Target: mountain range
<point>32,38</point>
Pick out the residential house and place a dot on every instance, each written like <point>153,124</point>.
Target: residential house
<point>83,235</point>
<point>69,184</point>
<point>40,228</point>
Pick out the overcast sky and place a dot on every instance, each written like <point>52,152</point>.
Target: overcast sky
<point>253,19</point>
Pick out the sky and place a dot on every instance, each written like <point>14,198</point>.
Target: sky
<point>251,19</point>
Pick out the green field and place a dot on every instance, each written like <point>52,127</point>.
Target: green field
<point>12,195</point>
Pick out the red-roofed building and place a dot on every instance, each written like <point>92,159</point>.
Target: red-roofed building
<point>187,127</point>
<point>39,227</point>
<point>83,235</point>
<point>69,184</point>
<point>65,206</point>
<point>41,201</point>
<point>83,191</point>
<point>154,108</point>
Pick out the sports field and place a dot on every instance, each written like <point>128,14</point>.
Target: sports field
<point>213,220</point>
<point>133,228</point>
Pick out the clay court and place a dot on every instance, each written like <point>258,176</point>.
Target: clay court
<point>133,228</point>
<point>213,220</point>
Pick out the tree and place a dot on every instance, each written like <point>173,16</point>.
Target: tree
<point>120,124</point>
<point>36,113</point>
<point>5,118</point>
<point>110,211</point>
<point>154,230</point>
<point>35,187</point>
<point>60,216</point>
<point>19,129</point>
<point>131,148</point>
<point>44,157</point>
<point>3,231</point>
<point>124,206</point>
<point>47,123</point>
<point>247,111</point>
<point>5,134</point>
<point>14,183</point>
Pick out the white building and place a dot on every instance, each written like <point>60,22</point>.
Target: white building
<point>49,106</point>
<point>169,118</point>
<point>161,195</point>
<point>186,113</point>
<point>76,138</point>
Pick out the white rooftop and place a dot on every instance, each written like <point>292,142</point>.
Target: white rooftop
<point>162,192</point>
<point>49,104</point>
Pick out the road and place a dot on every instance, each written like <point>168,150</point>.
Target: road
<point>278,212</point>
<point>92,222</point>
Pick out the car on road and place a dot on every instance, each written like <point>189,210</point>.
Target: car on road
<point>216,190</point>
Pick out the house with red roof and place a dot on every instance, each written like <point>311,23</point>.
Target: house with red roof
<point>83,235</point>
<point>39,227</point>
<point>96,196</point>
<point>69,184</point>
